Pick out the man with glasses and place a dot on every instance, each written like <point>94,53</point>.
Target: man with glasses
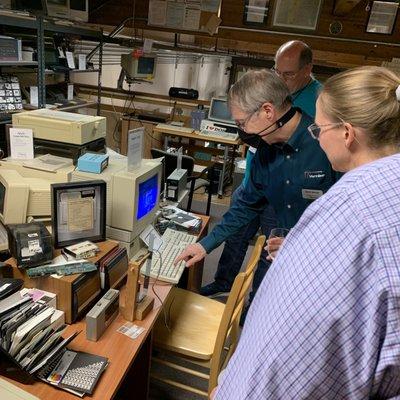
<point>293,64</point>
<point>289,169</point>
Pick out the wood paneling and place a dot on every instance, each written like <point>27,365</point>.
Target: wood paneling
<point>353,46</point>
<point>343,7</point>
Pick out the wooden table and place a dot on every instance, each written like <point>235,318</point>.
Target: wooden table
<point>127,375</point>
<point>169,132</point>
<point>128,371</point>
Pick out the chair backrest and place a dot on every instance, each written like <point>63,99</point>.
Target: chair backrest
<point>229,328</point>
<point>171,162</point>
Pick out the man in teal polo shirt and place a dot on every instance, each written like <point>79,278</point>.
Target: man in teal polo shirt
<point>293,64</point>
<point>289,169</point>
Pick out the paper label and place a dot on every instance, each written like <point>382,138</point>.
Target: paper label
<point>70,92</point>
<point>147,46</point>
<point>130,330</point>
<point>311,194</point>
<point>70,59</point>
<point>82,62</point>
<point>80,215</point>
<point>135,147</point>
<point>34,96</point>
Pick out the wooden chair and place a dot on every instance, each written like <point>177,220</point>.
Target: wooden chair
<point>202,331</point>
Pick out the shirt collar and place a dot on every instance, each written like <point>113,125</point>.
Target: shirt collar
<point>298,136</point>
<point>295,141</point>
<point>297,92</point>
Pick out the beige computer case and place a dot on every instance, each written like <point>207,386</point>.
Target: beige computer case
<point>60,126</point>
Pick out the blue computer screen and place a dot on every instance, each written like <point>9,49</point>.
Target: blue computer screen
<point>148,191</point>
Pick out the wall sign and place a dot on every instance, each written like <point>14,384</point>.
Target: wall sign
<point>382,17</point>
<point>300,14</point>
<point>255,12</point>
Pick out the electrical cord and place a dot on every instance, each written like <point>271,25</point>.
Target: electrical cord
<point>124,109</point>
<point>149,134</point>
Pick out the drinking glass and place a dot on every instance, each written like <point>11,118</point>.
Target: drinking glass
<point>275,240</point>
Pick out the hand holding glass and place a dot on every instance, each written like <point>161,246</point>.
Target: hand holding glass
<point>275,240</point>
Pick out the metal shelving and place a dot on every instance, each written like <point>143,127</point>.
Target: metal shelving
<point>17,63</point>
<point>42,25</point>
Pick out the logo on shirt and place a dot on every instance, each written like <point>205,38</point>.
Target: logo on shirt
<point>314,174</point>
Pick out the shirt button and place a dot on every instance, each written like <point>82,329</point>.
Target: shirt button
<point>296,149</point>
<point>289,206</point>
<point>288,157</point>
<point>287,182</point>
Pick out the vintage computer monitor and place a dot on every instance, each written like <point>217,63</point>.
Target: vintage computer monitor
<point>219,112</point>
<point>135,197</point>
<point>58,8</point>
<point>143,67</point>
<point>79,10</point>
<point>23,197</point>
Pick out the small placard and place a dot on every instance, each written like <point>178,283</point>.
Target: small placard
<point>255,11</point>
<point>21,143</point>
<point>147,46</point>
<point>382,17</point>
<point>34,96</point>
<point>70,92</point>
<point>311,194</point>
<point>70,59</point>
<point>135,147</point>
<point>82,61</point>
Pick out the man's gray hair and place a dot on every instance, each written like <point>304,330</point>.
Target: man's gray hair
<point>255,88</point>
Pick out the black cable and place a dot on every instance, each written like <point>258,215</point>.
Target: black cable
<point>117,140</point>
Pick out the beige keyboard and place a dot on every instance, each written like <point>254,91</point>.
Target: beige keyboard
<point>174,242</point>
<point>169,127</point>
<point>219,134</point>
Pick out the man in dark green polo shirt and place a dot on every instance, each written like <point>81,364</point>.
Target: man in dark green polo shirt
<point>289,169</point>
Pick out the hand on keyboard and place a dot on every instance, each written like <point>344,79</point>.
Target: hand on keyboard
<point>192,254</point>
<point>163,266</point>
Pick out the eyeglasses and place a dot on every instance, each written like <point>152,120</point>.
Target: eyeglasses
<point>286,75</point>
<point>316,130</point>
<point>242,124</point>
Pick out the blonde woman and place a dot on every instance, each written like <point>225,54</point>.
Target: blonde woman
<point>325,323</point>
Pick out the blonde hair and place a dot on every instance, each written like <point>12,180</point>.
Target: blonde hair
<point>365,97</point>
<point>255,88</point>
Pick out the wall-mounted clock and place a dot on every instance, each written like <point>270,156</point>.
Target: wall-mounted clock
<point>335,27</point>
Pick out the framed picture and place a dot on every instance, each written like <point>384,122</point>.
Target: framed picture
<point>382,17</point>
<point>79,212</point>
<point>255,12</point>
<point>298,14</point>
